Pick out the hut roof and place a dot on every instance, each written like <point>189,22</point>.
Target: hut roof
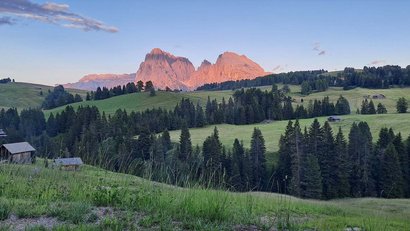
<point>68,161</point>
<point>334,117</point>
<point>19,147</point>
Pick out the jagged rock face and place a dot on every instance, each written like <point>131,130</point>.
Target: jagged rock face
<point>229,66</point>
<point>93,81</point>
<point>165,70</point>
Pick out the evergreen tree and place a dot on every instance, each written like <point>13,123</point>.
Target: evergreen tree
<point>342,165</point>
<point>284,167</point>
<point>403,160</point>
<point>365,107</point>
<point>391,180</point>
<point>381,109</point>
<point>328,163</point>
<point>371,109</point>
<point>305,88</point>
<point>140,86</point>
<point>402,105</point>
<point>185,145</point>
<point>238,179</point>
<point>166,140</point>
<point>296,144</point>
<point>311,182</point>
<point>257,154</point>
<point>342,106</point>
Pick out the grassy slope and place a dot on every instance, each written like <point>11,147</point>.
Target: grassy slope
<point>272,131</point>
<point>142,101</point>
<point>73,197</point>
<point>25,95</point>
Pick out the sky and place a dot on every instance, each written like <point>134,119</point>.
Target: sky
<point>59,41</point>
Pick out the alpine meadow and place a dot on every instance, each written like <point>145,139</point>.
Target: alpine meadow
<point>251,116</point>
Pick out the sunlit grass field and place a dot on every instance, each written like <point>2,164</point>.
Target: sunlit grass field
<point>74,200</point>
<point>272,131</point>
<point>25,95</point>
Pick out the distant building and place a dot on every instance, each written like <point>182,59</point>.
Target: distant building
<point>378,96</point>
<point>69,164</point>
<point>334,119</point>
<point>2,133</point>
<point>19,153</point>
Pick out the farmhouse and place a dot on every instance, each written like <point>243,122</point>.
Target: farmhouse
<point>69,164</point>
<point>19,153</point>
<point>334,119</point>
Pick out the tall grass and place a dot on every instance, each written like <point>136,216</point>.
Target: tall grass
<point>34,191</point>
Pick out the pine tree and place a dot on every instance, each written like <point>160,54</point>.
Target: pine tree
<point>328,163</point>
<point>343,165</point>
<point>212,152</point>
<point>166,140</point>
<point>403,160</point>
<point>371,109</point>
<point>257,154</point>
<point>365,107</point>
<point>391,180</point>
<point>296,144</point>
<point>311,182</point>
<point>238,175</point>
<point>284,167</point>
<point>185,145</point>
<point>381,109</point>
<point>402,105</point>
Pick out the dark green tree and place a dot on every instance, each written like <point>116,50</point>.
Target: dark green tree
<point>257,155</point>
<point>391,180</point>
<point>402,105</point>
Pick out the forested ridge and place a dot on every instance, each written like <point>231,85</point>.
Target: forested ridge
<point>319,80</point>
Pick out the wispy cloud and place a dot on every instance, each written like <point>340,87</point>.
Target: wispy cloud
<point>318,48</point>
<point>377,62</point>
<point>6,21</point>
<point>50,12</point>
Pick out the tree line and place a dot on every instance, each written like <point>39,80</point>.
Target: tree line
<point>319,80</point>
<point>129,88</point>
<point>59,97</point>
<point>5,80</point>
<point>315,163</point>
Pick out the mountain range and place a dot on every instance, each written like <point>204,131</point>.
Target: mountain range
<point>167,70</point>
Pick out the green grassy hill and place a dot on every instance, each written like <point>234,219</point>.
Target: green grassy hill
<point>38,198</point>
<point>272,131</point>
<point>143,101</point>
<point>25,95</point>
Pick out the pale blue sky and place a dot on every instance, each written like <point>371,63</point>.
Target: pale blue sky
<point>279,35</point>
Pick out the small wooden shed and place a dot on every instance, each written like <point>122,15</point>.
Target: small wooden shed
<point>334,119</point>
<point>19,153</point>
<point>69,164</point>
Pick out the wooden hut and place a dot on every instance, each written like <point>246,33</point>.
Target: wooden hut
<point>19,153</point>
<point>69,164</point>
<point>334,119</point>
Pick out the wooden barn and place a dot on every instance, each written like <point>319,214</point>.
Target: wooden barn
<point>69,164</point>
<point>334,119</point>
<point>19,153</point>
